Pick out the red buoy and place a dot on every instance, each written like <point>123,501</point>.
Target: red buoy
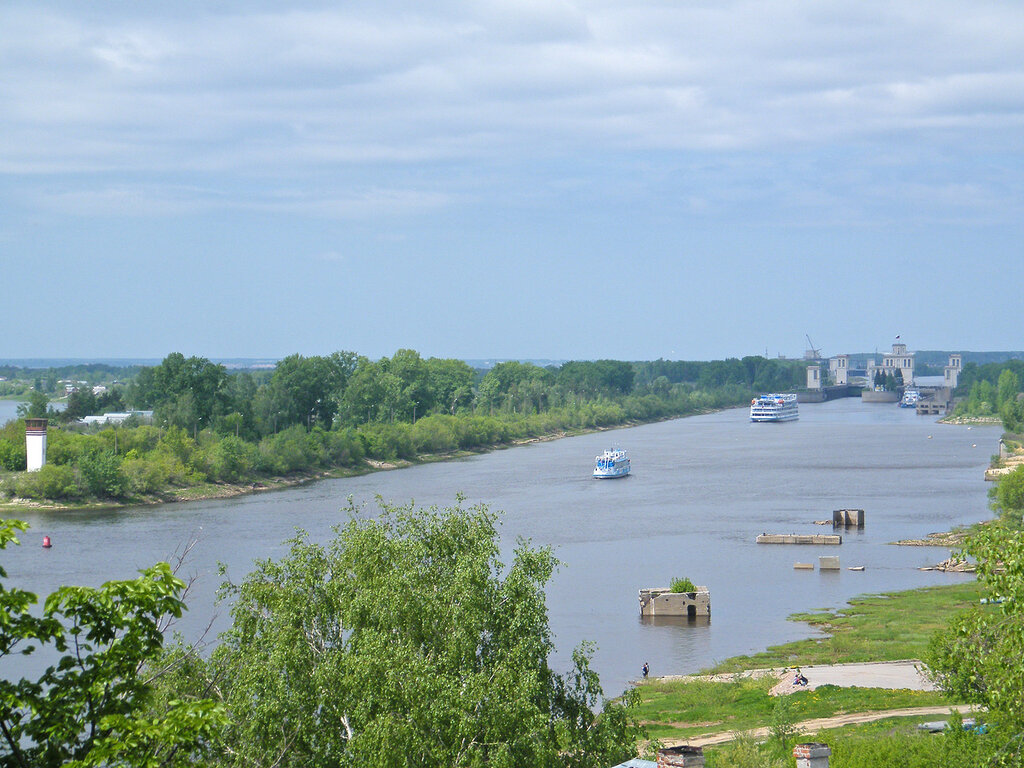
<point>46,542</point>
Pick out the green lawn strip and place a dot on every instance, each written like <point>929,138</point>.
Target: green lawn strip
<point>677,709</point>
<point>893,741</point>
<point>885,627</point>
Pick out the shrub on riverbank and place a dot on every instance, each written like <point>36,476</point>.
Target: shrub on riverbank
<point>132,462</point>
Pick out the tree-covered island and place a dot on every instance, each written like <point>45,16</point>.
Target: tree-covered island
<point>215,432</point>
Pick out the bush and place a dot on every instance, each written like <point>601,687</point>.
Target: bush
<point>51,481</point>
<point>683,585</point>
<point>12,455</point>
<point>287,451</point>
<point>153,473</point>
<point>231,460</point>
<point>101,473</point>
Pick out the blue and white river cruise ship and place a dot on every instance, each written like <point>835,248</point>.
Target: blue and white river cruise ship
<point>612,463</point>
<point>774,407</point>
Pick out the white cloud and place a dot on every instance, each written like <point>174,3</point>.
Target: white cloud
<point>274,97</point>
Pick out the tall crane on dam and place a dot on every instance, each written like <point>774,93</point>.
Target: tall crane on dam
<point>812,353</point>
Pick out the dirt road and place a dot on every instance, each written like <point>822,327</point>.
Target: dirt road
<point>909,674</point>
<point>821,723</point>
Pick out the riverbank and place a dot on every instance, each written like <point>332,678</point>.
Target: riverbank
<point>866,663</point>
<point>264,483</point>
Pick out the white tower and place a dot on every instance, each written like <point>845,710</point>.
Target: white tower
<point>35,443</point>
<point>839,367</point>
<point>814,377</point>
<point>953,371</point>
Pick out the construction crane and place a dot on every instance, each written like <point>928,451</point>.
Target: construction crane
<point>812,353</point>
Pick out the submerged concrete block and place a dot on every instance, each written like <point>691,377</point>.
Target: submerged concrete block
<point>848,518</point>
<point>661,601</point>
<point>799,538</point>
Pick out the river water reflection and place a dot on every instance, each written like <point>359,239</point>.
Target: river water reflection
<point>702,488</point>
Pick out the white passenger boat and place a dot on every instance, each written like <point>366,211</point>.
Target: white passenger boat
<point>774,407</point>
<point>612,463</point>
<point>910,398</point>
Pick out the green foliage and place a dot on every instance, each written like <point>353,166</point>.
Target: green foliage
<point>315,413</point>
<point>90,708</point>
<point>886,627</point>
<point>1009,493</point>
<point>406,642</point>
<point>101,474</point>
<point>13,455</point>
<point>51,481</point>
<point>681,708</point>
<point>782,725</point>
<point>682,585</point>
<point>975,658</point>
<point>745,752</point>
<point>36,406</point>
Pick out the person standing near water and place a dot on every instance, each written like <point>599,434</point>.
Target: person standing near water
<point>646,669</point>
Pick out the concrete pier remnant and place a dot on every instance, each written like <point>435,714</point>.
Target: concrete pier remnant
<point>661,601</point>
<point>848,518</point>
<point>828,563</point>
<point>803,566</point>
<point>799,538</point>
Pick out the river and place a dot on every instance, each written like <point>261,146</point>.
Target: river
<point>702,489</point>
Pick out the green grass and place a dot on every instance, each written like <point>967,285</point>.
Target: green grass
<point>886,627</point>
<point>677,709</point>
<point>891,743</point>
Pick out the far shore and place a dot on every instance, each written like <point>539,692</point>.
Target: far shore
<point>210,491</point>
<point>260,484</point>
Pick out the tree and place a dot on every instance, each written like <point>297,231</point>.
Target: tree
<point>184,391</point>
<point>976,659</point>
<point>310,387</point>
<point>36,406</point>
<point>406,641</point>
<point>1009,493</point>
<point>451,382</point>
<point>90,708</point>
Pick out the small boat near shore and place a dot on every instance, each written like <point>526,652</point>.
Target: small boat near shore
<point>612,463</point>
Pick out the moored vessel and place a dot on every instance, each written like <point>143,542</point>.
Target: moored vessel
<point>910,398</point>
<point>774,407</point>
<point>612,463</point>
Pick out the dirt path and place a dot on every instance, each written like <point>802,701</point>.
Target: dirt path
<point>909,673</point>
<point>821,723</point>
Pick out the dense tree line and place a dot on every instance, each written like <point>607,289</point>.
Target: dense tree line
<point>993,389</point>
<point>320,412</point>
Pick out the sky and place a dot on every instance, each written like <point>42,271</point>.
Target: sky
<point>686,179</point>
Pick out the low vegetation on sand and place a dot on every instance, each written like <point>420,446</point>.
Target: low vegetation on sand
<point>885,627</point>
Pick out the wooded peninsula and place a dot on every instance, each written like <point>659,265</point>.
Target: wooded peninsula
<point>216,432</point>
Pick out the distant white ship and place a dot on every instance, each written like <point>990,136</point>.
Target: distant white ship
<point>910,398</point>
<point>774,407</point>
<point>612,463</point>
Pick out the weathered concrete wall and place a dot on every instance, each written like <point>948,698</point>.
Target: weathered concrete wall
<point>660,601</point>
<point>848,518</point>
<point>799,538</point>
<point>828,563</point>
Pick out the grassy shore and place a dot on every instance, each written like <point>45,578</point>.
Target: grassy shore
<point>263,483</point>
<point>886,627</point>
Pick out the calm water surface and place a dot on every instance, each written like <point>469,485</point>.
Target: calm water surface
<point>702,489</point>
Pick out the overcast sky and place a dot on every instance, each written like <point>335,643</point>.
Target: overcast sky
<point>513,178</point>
